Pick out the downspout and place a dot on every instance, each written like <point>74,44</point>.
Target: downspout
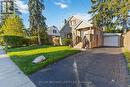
<point>90,45</point>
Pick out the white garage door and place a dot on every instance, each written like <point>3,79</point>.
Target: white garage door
<point>111,40</point>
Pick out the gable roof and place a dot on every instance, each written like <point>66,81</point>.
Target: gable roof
<point>50,31</point>
<point>84,25</point>
<point>67,22</point>
<point>53,28</point>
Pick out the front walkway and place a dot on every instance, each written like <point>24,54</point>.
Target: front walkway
<point>10,74</point>
<point>99,67</point>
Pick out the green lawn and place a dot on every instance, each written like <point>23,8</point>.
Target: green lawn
<point>24,56</point>
<point>127,56</point>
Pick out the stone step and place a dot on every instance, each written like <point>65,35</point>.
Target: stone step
<point>79,45</point>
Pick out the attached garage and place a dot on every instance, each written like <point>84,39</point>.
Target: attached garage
<point>112,39</point>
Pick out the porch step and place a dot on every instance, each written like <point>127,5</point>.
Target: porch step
<point>79,45</point>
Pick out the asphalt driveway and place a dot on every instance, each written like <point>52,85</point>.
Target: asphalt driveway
<point>100,67</point>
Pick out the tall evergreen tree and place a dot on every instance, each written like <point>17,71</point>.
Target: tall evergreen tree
<point>37,20</point>
<point>110,12</point>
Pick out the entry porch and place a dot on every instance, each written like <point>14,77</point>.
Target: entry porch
<point>89,37</point>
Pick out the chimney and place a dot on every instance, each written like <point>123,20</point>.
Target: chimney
<point>65,21</point>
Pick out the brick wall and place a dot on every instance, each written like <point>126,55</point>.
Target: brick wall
<point>127,40</point>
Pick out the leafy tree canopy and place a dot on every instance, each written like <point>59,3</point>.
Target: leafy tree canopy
<point>13,25</point>
<point>110,12</point>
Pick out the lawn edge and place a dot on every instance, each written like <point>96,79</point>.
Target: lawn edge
<point>127,64</point>
<point>47,63</point>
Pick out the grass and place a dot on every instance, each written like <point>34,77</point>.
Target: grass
<point>127,56</point>
<point>24,56</point>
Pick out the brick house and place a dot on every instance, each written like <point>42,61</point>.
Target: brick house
<point>127,40</point>
<point>82,33</point>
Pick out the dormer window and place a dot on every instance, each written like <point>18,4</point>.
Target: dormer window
<point>73,22</point>
<point>54,31</point>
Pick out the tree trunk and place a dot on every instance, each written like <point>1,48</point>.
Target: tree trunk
<point>39,38</point>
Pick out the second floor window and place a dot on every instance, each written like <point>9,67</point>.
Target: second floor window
<point>54,31</point>
<point>73,22</point>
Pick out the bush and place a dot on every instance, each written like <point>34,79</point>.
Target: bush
<point>26,41</point>
<point>14,41</point>
<point>67,41</point>
<point>1,40</point>
<point>113,31</point>
<point>33,40</point>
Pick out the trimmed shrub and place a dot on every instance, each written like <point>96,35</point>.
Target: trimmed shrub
<point>67,41</point>
<point>33,40</point>
<point>13,41</point>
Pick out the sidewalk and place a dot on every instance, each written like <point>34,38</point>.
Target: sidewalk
<point>10,74</point>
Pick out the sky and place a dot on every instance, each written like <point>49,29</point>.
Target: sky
<point>57,10</point>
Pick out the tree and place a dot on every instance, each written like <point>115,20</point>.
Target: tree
<point>12,31</point>
<point>122,13</point>
<point>37,20</point>
<point>100,13</point>
<point>110,12</point>
<point>13,26</point>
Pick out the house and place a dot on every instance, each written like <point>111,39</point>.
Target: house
<point>127,40</point>
<point>54,35</point>
<point>82,33</point>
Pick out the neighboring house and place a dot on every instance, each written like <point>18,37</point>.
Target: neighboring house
<point>54,35</point>
<point>82,33</point>
<point>127,40</point>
